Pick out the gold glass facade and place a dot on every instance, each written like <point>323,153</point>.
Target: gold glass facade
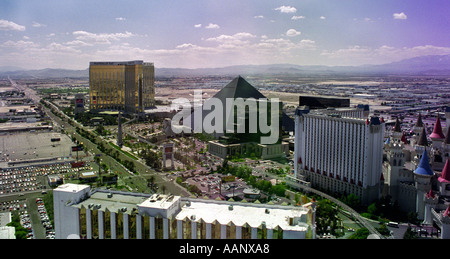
<point>126,86</point>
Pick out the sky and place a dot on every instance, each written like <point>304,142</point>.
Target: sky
<point>37,34</point>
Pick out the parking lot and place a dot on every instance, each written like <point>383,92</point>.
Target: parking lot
<point>31,146</point>
<point>32,178</point>
<point>33,215</point>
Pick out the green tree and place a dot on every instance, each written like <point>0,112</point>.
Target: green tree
<point>20,232</point>
<point>361,233</point>
<point>326,217</point>
<point>372,209</point>
<point>151,158</point>
<point>409,234</point>
<point>351,200</point>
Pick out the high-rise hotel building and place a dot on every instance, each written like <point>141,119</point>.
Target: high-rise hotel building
<point>82,212</point>
<point>125,86</point>
<point>339,151</point>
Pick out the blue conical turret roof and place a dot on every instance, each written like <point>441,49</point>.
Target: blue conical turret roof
<point>424,165</point>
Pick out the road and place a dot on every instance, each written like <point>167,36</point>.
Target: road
<point>144,170</point>
<point>342,205</point>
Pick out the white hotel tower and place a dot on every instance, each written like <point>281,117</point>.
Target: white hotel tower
<point>339,154</point>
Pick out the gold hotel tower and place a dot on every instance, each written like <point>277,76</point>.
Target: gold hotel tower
<point>126,86</point>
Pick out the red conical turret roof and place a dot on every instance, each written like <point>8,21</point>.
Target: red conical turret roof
<point>430,194</point>
<point>437,131</point>
<point>445,175</point>
<point>447,212</point>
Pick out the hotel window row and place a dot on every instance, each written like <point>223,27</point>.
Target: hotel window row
<point>334,148</point>
<point>97,224</point>
<point>334,152</point>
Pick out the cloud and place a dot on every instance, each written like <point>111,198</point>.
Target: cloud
<point>307,44</point>
<point>186,45</point>
<point>298,17</point>
<point>323,17</point>
<point>400,16</point>
<point>10,26</point>
<point>237,36</point>
<point>258,17</point>
<point>121,19</point>
<point>37,25</point>
<point>198,25</point>
<point>212,26</point>
<point>78,43</point>
<point>292,33</point>
<point>101,38</point>
<point>21,44</point>
<point>231,41</point>
<point>286,9</point>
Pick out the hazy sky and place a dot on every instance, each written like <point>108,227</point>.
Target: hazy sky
<point>216,33</point>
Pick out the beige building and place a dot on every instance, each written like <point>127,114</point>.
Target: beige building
<point>127,86</point>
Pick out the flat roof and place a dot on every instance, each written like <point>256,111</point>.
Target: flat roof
<point>7,232</point>
<point>71,187</point>
<point>252,214</point>
<point>159,201</point>
<point>117,201</point>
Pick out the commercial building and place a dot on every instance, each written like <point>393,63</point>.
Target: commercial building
<point>244,137</point>
<point>104,214</point>
<point>126,86</point>
<point>337,153</point>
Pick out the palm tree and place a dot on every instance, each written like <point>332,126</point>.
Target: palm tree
<point>151,183</point>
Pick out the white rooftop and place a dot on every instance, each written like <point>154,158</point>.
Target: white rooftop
<point>252,214</point>
<point>70,187</point>
<point>7,232</point>
<point>160,201</point>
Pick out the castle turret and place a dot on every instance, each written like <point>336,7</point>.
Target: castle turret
<point>422,177</point>
<point>445,220</point>
<point>446,144</point>
<point>430,200</point>
<point>444,179</point>
<point>437,136</point>
<point>395,163</point>
<point>397,132</point>
<point>420,147</point>
<point>418,128</point>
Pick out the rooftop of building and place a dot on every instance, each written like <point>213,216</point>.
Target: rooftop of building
<point>118,63</point>
<point>209,211</point>
<point>113,201</point>
<point>424,167</point>
<point>245,213</point>
<point>71,187</point>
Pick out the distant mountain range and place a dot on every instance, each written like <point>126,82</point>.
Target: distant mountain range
<point>424,65</point>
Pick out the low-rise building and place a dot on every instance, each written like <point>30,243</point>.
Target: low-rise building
<point>104,214</point>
